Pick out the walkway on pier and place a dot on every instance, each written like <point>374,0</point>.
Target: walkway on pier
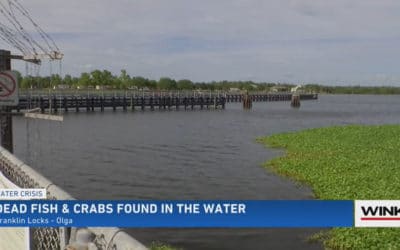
<point>97,101</point>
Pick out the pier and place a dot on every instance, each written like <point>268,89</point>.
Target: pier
<point>147,101</point>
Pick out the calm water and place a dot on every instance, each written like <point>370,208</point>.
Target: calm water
<point>188,155</point>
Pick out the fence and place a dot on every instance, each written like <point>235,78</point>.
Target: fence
<point>62,238</point>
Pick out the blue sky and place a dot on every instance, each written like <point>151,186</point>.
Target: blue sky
<point>299,41</point>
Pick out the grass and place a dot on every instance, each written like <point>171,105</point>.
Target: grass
<point>345,163</point>
<point>161,246</point>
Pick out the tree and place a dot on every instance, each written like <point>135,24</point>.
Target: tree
<point>184,84</point>
<point>18,74</point>
<point>55,80</point>
<point>68,80</point>
<point>27,82</point>
<point>152,84</point>
<point>166,83</point>
<point>42,82</point>
<point>85,80</point>
<point>96,77</point>
<point>139,82</point>
<point>124,79</point>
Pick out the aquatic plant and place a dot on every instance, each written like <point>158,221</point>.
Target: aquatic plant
<point>345,163</point>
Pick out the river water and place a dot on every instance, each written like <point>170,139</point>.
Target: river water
<point>201,154</point>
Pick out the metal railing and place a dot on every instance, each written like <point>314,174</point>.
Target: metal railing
<point>64,237</point>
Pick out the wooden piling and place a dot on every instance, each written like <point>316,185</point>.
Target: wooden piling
<point>124,103</point>
<point>151,103</point>
<point>65,104</point>
<point>133,100</point>
<point>177,102</point>
<point>55,106</point>
<point>169,102</point>
<point>185,102</point>
<point>113,103</point>
<point>164,102</point>
<point>76,104</point>
<point>87,104</point>
<point>92,103</point>
<point>101,104</point>
<point>41,105</point>
<point>247,101</point>
<point>295,103</point>
<point>201,102</point>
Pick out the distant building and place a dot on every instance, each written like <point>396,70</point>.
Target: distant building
<point>101,87</point>
<point>298,88</point>
<point>234,89</point>
<point>61,86</point>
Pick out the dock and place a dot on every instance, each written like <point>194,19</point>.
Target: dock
<point>147,101</point>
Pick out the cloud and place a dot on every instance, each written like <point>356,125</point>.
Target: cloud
<point>288,40</point>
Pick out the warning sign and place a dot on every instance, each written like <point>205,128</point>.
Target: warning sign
<point>8,88</point>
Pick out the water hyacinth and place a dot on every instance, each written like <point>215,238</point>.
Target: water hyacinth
<point>345,163</point>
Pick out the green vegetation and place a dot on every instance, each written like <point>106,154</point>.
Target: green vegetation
<point>383,90</point>
<point>106,80</point>
<point>346,163</point>
<point>161,246</point>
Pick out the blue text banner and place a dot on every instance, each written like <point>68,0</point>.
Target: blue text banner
<point>177,214</point>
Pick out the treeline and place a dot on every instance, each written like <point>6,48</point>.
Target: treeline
<point>373,90</point>
<point>106,80</point>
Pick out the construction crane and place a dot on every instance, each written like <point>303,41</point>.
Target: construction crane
<point>19,30</point>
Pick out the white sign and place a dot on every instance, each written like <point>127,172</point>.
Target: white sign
<point>8,89</point>
<point>23,194</point>
<point>377,213</point>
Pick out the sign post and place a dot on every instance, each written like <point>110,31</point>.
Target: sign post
<point>7,92</point>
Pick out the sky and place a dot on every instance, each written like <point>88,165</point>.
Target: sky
<point>338,42</point>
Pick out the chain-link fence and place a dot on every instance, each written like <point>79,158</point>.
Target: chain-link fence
<point>60,238</point>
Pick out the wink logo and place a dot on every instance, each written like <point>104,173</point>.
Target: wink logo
<point>377,213</point>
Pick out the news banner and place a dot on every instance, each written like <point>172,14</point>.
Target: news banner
<point>29,208</point>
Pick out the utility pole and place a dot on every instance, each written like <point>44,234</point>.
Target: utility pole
<point>6,133</point>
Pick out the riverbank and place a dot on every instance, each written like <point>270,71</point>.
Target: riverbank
<point>346,163</point>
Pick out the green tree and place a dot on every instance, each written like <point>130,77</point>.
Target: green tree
<point>68,80</point>
<point>96,77</point>
<point>139,82</point>
<point>124,79</point>
<point>166,83</point>
<point>27,82</point>
<point>107,78</point>
<point>184,84</point>
<point>55,80</point>
<point>19,76</point>
<point>85,80</point>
